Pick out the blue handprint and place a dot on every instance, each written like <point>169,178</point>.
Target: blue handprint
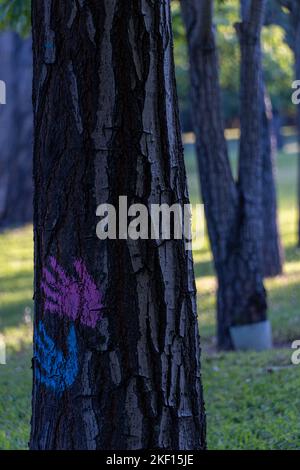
<point>55,370</point>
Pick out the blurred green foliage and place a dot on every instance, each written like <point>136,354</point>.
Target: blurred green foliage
<point>278,57</point>
<point>15,14</point>
<point>278,62</point>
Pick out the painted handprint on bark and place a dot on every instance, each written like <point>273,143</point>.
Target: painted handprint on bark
<point>72,297</point>
<point>55,370</point>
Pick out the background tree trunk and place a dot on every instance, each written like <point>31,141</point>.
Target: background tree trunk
<point>250,161</point>
<point>116,352</point>
<point>16,125</point>
<point>292,33</point>
<point>297,71</point>
<point>236,250</point>
<point>272,248</point>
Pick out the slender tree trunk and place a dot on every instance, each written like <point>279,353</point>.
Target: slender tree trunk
<point>297,70</point>
<point>250,178</point>
<point>241,295</point>
<point>272,247</point>
<point>16,131</point>
<point>292,33</point>
<point>116,350</point>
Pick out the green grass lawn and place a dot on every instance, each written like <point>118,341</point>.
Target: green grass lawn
<point>252,399</point>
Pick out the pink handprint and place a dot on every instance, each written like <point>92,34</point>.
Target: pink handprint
<point>72,297</point>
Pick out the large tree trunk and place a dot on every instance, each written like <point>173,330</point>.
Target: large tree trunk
<point>116,351</point>
<point>16,131</point>
<point>230,217</point>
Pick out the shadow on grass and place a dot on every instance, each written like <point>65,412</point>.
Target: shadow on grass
<point>21,279</point>
<point>12,313</point>
<point>291,254</point>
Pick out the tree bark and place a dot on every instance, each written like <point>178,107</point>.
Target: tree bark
<point>297,71</point>
<point>292,34</point>
<point>233,212</point>
<point>116,350</point>
<point>272,248</point>
<point>16,128</point>
<point>273,254</point>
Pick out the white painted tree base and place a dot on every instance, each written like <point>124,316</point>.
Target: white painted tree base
<point>254,337</point>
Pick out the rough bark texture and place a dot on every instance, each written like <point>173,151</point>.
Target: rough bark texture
<point>233,211</point>
<point>16,125</point>
<point>106,124</point>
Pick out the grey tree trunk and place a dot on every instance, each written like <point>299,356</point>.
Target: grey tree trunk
<point>272,247</point>
<point>292,30</point>
<point>297,70</point>
<point>16,128</point>
<point>273,254</point>
<point>291,25</point>
<point>116,345</point>
<point>233,212</point>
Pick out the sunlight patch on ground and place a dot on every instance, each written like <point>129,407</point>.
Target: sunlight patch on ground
<point>17,338</point>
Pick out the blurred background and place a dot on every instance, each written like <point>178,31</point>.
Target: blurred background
<point>253,398</point>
